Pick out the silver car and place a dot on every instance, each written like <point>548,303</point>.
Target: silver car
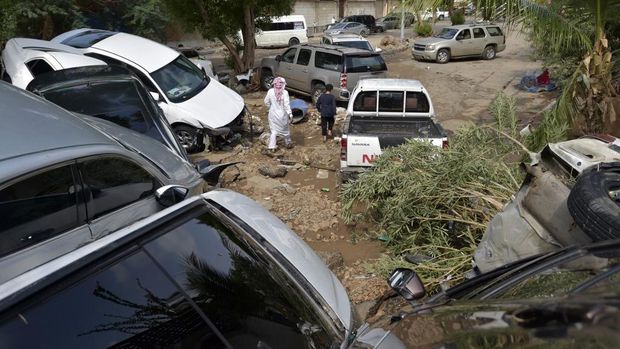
<point>348,28</point>
<point>66,181</point>
<point>478,40</point>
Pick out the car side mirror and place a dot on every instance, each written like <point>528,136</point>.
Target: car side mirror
<point>155,96</point>
<point>278,58</point>
<point>169,195</point>
<point>407,284</point>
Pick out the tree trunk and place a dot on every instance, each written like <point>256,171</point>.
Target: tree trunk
<point>249,43</point>
<point>234,55</point>
<point>592,90</point>
<point>47,32</point>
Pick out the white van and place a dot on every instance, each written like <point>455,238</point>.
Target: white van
<point>283,31</point>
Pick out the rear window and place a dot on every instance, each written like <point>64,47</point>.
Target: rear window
<point>87,39</point>
<point>364,63</point>
<point>416,102</point>
<point>364,45</point>
<point>495,31</point>
<point>366,101</point>
<point>328,61</point>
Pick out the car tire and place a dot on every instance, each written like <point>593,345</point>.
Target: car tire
<point>441,17</point>
<point>380,29</point>
<point>186,135</point>
<point>489,52</point>
<point>293,42</point>
<point>364,33</point>
<point>317,91</point>
<point>443,56</point>
<point>592,207</point>
<point>266,79</point>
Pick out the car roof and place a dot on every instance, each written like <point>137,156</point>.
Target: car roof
<point>474,25</point>
<point>79,75</point>
<point>42,45</point>
<point>385,84</point>
<point>133,48</point>
<point>41,125</point>
<point>342,49</point>
<point>346,37</point>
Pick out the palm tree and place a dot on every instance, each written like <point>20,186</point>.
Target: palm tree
<point>586,101</point>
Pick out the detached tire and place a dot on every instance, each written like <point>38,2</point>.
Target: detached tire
<point>266,79</point>
<point>592,207</point>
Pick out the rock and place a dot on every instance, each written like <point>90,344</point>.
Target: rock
<point>322,174</point>
<point>264,138</point>
<point>333,260</point>
<point>261,185</point>
<point>340,110</point>
<point>287,188</point>
<point>279,171</point>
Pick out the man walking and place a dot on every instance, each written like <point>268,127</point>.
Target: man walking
<point>326,105</point>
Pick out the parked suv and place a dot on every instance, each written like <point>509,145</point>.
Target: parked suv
<point>461,41</point>
<point>309,68</point>
<point>368,20</point>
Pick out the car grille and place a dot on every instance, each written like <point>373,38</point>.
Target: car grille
<point>417,47</point>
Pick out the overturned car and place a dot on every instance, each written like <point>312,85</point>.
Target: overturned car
<point>571,195</point>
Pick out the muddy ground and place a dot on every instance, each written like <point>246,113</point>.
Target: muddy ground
<point>306,198</point>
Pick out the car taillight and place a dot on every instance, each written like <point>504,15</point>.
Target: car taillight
<point>343,80</point>
<point>343,149</point>
<point>445,144</point>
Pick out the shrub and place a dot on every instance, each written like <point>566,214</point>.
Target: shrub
<point>457,17</point>
<point>424,29</point>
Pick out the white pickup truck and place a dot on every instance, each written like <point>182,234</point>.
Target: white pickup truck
<point>383,113</point>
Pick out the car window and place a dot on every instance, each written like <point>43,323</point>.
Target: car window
<point>114,183</point>
<point>117,101</point>
<point>37,208</point>
<point>447,33</point>
<point>391,101</point>
<point>325,41</point>
<point>129,304</point>
<point>328,61</point>
<point>87,39</point>
<point>366,101</point>
<point>464,34</point>
<point>479,33</point>
<point>364,63</point>
<point>494,31</point>
<point>304,57</point>
<point>561,279</point>
<point>38,67</point>
<point>364,45</point>
<point>180,79</point>
<point>289,55</point>
<point>416,102</point>
<point>246,295</point>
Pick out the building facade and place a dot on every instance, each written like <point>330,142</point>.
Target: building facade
<point>319,13</point>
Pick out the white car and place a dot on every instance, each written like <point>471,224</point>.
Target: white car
<point>349,40</point>
<point>24,59</point>
<point>198,108</point>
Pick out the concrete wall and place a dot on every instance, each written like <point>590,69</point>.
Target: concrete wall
<point>317,13</point>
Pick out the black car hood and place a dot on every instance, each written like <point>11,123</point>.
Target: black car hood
<point>590,322</point>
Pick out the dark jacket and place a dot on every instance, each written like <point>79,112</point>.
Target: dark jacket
<point>326,105</point>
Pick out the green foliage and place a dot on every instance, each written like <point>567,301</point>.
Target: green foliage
<point>457,17</point>
<point>423,29</point>
<point>8,21</point>
<point>46,18</point>
<point>552,129</point>
<point>147,18</point>
<point>437,202</point>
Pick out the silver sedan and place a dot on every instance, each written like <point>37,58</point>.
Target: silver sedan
<point>348,27</point>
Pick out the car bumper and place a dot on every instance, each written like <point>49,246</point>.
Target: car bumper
<point>425,55</point>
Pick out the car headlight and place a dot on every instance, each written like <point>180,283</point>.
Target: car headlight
<point>430,47</point>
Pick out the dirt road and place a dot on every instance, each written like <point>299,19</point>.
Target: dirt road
<point>306,197</point>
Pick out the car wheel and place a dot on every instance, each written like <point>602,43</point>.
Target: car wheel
<point>186,135</point>
<point>293,42</point>
<point>489,52</point>
<point>443,56</point>
<point>364,33</point>
<point>317,91</point>
<point>380,29</point>
<point>441,17</point>
<point>266,79</point>
<point>594,203</point>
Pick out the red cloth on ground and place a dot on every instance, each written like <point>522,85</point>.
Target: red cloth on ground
<point>543,79</point>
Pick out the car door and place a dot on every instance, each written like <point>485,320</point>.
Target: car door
<point>299,76</point>
<point>287,66</point>
<point>479,41</point>
<point>464,44</point>
<point>118,192</point>
<point>45,209</point>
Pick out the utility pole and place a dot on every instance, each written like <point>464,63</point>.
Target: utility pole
<point>402,20</point>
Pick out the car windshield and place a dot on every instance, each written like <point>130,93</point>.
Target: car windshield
<point>447,33</point>
<point>338,25</point>
<point>180,79</point>
<point>87,39</point>
<point>364,45</point>
<point>117,101</point>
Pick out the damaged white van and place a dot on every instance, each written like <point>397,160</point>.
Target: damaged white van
<point>199,109</point>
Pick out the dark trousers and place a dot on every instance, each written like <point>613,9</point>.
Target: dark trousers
<point>326,124</point>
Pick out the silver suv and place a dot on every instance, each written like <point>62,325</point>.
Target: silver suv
<point>473,40</point>
<point>309,68</point>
